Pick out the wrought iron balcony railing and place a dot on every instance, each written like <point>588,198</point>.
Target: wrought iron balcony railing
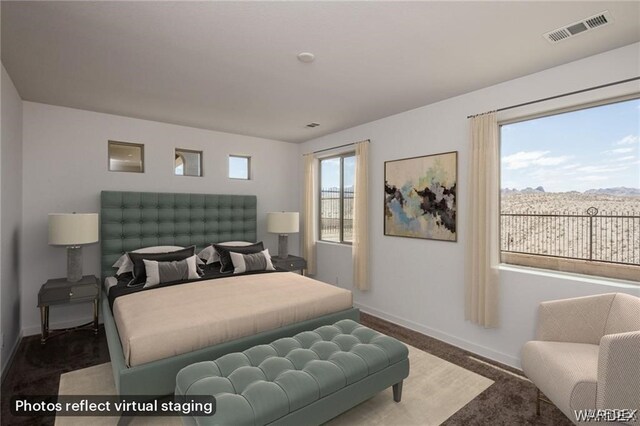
<point>330,217</point>
<point>611,238</point>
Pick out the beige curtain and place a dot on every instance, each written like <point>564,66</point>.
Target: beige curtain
<point>482,257</point>
<point>360,248</point>
<point>309,213</point>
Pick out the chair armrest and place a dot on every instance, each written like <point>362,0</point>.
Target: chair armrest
<point>577,320</point>
<point>619,372</point>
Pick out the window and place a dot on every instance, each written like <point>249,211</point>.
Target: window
<point>570,191</point>
<point>188,162</point>
<point>336,198</point>
<point>239,167</point>
<point>126,157</point>
<point>179,165</point>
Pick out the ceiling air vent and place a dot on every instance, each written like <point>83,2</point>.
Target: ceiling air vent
<point>575,28</point>
<point>312,125</point>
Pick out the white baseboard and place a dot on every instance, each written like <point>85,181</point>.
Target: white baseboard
<point>12,354</point>
<point>445,337</point>
<point>35,329</point>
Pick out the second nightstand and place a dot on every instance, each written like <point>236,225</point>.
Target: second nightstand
<point>291,263</point>
<point>59,291</point>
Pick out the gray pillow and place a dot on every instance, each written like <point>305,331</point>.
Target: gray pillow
<point>176,270</point>
<point>139,270</point>
<point>226,264</point>
<point>125,265</point>
<point>210,255</point>
<point>251,262</point>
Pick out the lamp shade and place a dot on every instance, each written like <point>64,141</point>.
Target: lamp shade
<point>71,229</point>
<point>283,222</point>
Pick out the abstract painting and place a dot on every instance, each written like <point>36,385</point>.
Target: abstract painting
<point>420,197</point>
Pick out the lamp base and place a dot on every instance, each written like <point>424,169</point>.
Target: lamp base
<point>283,246</point>
<point>74,264</point>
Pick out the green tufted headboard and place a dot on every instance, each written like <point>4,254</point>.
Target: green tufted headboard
<point>131,220</point>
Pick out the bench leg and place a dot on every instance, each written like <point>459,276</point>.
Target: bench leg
<point>397,392</point>
<point>125,420</point>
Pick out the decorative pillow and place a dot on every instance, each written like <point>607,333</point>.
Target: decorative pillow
<point>251,262</point>
<point>210,255</point>
<point>125,265</point>
<point>164,272</point>
<point>139,275</point>
<point>226,265</point>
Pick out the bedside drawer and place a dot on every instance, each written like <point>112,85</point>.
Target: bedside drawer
<point>60,291</point>
<point>291,265</point>
<point>83,291</point>
<point>67,294</point>
<point>52,295</point>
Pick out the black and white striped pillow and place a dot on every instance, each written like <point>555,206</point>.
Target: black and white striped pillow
<point>164,272</point>
<point>251,262</point>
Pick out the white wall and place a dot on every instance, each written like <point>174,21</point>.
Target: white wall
<point>419,283</point>
<point>10,216</point>
<point>65,168</point>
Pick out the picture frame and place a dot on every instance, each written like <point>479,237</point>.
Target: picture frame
<point>421,197</point>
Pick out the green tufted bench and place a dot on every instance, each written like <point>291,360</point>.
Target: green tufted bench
<point>305,379</point>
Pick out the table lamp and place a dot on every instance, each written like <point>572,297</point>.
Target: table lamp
<point>283,223</point>
<point>73,230</point>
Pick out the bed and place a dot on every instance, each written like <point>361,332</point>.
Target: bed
<point>131,220</point>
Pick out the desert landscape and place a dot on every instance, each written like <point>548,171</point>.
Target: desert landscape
<point>615,201</point>
<point>566,225</point>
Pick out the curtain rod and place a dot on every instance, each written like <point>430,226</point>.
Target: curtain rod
<point>560,96</point>
<point>339,146</point>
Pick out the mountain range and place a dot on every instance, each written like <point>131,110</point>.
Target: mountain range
<point>621,191</point>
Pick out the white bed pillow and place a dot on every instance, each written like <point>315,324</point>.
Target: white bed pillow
<point>210,255</point>
<point>125,265</point>
<point>110,282</point>
<point>155,276</point>
<point>260,261</point>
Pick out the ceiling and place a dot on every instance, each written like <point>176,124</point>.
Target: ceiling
<point>231,66</point>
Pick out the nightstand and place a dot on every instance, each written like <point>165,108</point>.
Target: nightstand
<point>291,263</point>
<point>59,291</point>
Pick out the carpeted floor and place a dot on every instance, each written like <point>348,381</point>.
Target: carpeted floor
<point>36,370</point>
<point>509,401</point>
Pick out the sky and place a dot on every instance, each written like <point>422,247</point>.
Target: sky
<point>592,148</point>
<point>238,167</point>
<point>330,172</point>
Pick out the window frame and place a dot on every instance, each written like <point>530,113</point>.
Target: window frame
<point>565,109</point>
<point>341,156</point>
<point>248,158</point>
<point>592,268</point>
<point>129,144</point>
<point>177,153</point>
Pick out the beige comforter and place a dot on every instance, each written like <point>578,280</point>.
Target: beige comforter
<point>173,320</point>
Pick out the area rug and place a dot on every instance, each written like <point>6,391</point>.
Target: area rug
<point>434,391</point>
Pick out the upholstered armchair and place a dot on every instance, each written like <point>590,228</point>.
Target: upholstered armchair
<point>587,354</point>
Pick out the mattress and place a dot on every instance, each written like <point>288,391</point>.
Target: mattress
<point>170,321</point>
